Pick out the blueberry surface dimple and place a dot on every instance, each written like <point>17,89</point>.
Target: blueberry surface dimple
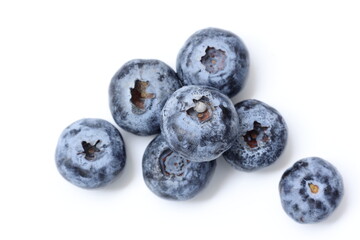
<point>137,93</point>
<point>262,136</point>
<point>199,123</point>
<point>171,176</point>
<point>93,156</point>
<point>306,187</point>
<point>216,58</point>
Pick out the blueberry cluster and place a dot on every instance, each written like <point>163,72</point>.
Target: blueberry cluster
<point>196,122</point>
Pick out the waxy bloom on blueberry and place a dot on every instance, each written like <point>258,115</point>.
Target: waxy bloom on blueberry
<point>311,190</point>
<point>137,93</point>
<point>171,176</point>
<point>262,137</point>
<point>199,123</point>
<point>216,58</point>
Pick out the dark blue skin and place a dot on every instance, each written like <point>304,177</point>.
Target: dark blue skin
<point>311,190</point>
<point>137,93</point>
<point>262,138</point>
<point>199,123</point>
<point>170,176</point>
<point>216,58</point>
<point>90,153</point>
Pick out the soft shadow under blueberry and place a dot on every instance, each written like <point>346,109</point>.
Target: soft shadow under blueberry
<point>249,88</point>
<point>284,161</point>
<point>340,210</point>
<point>222,173</point>
<point>132,159</point>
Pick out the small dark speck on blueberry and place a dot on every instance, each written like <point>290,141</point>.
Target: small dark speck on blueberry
<point>296,207</point>
<point>74,131</point>
<point>161,77</point>
<point>81,172</point>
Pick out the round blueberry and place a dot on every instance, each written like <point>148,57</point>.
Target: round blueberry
<point>90,153</point>
<point>138,91</point>
<point>170,176</point>
<point>262,137</point>
<point>216,58</point>
<point>199,123</point>
<point>311,190</point>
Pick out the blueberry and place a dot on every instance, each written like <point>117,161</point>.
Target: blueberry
<point>216,58</point>
<point>262,137</point>
<point>90,153</point>
<point>311,190</point>
<point>199,123</point>
<point>170,176</point>
<point>137,93</point>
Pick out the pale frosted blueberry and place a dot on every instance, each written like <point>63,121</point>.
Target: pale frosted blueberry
<point>90,153</point>
<point>199,123</point>
<point>137,93</point>
<point>171,176</point>
<point>311,190</point>
<point>262,137</point>
<point>214,57</point>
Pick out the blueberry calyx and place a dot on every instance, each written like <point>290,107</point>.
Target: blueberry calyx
<point>89,150</point>
<point>172,165</point>
<point>139,94</point>
<point>251,136</point>
<point>214,60</point>
<point>313,188</point>
<point>201,111</point>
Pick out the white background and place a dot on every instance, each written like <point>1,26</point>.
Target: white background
<point>56,62</point>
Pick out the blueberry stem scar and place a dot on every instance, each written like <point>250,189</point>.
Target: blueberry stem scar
<point>139,94</point>
<point>251,136</point>
<point>313,188</point>
<point>89,150</point>
<point>163,167</point>
<point>214,60</point>
<point>181,164</point>
<point>201,111</point>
